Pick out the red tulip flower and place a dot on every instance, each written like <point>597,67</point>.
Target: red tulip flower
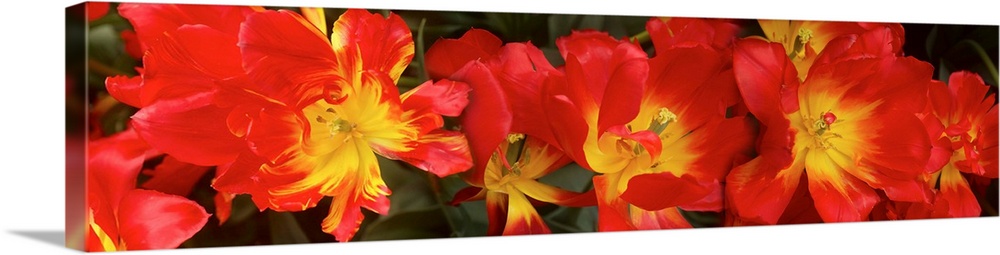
<point>286,114</point>
<point>963,124</point>
<point>654,129</point>
<point>510,138</point>
<point>851,127</point>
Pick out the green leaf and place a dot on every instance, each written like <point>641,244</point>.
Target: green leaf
<point>468,218</point>
<point>572,219</point>
<point>426,223</point>
<point>563,219</point>
<point>943,71</point>
<point>410,189</point>
<point>570,177</point>
<point>702,219</point>
<point>285,229</point>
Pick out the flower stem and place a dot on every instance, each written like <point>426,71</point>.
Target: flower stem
<point>422,74</point>
<point>439,196</point>
<point>641,38</point>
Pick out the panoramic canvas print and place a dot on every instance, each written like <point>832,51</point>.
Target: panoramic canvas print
<point>215,125</point>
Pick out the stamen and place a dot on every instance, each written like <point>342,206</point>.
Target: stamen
<point>821,129</point>
<point>514,137</point>
<point>663,118</point>
<point>665,115</point>
<point>803,37</point>
<point>338,125</point>
<point>515,149</point>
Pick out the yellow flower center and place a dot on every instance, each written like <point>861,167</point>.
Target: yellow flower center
<point>820,129</point>
<point>507,159</point>
<point>334,122</point>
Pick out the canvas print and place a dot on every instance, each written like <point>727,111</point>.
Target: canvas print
<point>213,125</point>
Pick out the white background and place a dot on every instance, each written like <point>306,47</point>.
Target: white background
<point>32,122</point>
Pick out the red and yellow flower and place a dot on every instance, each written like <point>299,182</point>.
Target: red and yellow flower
<point>289,116</point>
<point>803,41</point>
<point>510,186</point>
<point>510,138</point>
<point>851,127</point>
<point>962,122</point>
<point>652,128</point>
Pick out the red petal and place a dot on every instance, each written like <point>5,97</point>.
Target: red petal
<point>496,213</point>
<point>669,218</point>
<point>385,44</point>
<point>659,191</point>
<point>290,59</point>
<point>440,152</point>
<point>940,153</point>
<point>277,133</point>
<point>877,42</point>
<point>152,20</point>
<point>223,206</point>
<point>692,83</point>
<point>443,97</point>
<point>988,145</point>
<point>624,89</point>
<point>760,192</point>
<point>175,177</point>
<point>801,209</point>
<point>714,201</point>
<point>941,102</point>
<point>612,214</point>
<point>900,143</point>
<point>956,198</point>
<point>348,208</point>
<point>545,193</point>
<point>678,31</point>
<point>188,61</point>
<point>566,117</point>
<point>839,197</point>
<point>447,56</point>
<point>769,85</point>
<point>153,220</point>
<point>178,92</point>
<point>970,96</point>
<point>191,129</point>
<point>522,219</point>
<point>125,89</point>
<point>613,72</point>
<point>113,165</point>
<point>238,177</point>
<point>486,120</point>
<point>766,78</point>
<point>899,84</point>
<point>521,68</point>
<point>720,146</point>
<point>895,158</point>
